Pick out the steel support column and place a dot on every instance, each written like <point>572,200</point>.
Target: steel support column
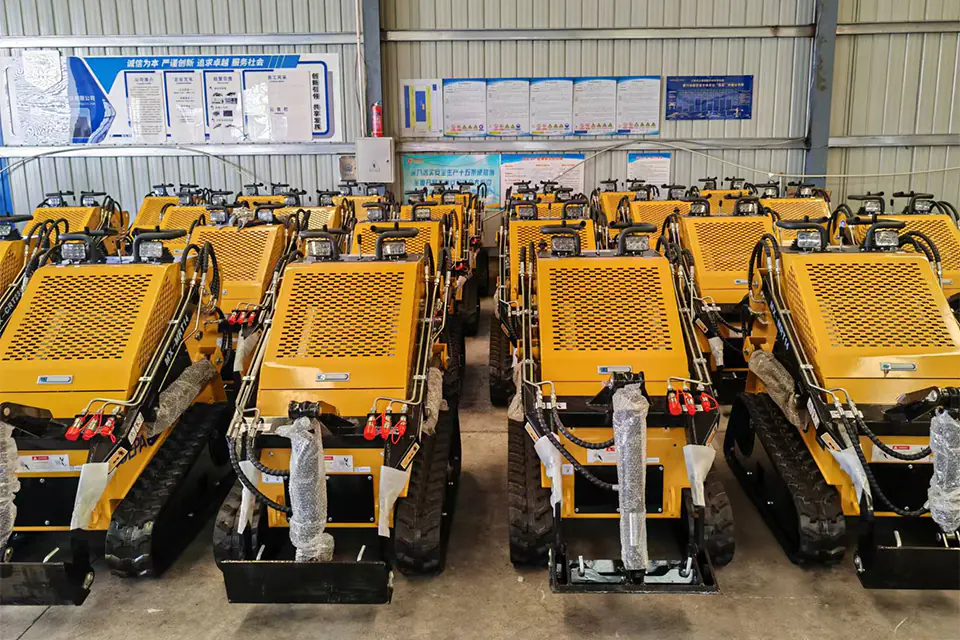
<point>370,17</point>
<point>821,90</point>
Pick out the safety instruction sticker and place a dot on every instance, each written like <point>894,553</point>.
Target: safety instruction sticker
<point>117,457</point>
<point>408,458</point>
<point>879,455</point>
<point>54,463</point>
<point>338,464</point>
<point>610,456</point>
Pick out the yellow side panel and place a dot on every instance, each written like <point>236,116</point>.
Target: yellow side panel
<point>357,320</point>
<point>96,326</point>
<point>525,232</point>
<point>609,200</point>
<point>664,448</point>
<point>79,218</point>
<point>246,258</point>
<point>365,240</point>
<point>149,215</point>
<point>369,461</point>
<point>857,312</point>
<point>608,312</point>
<point>719,202</point>
<point>11,261</point>
<point>721,247</point>
<point>331,217</point>
<point>655,212</point>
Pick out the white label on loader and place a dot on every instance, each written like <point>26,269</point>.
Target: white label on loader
<point>610,456</point>
<point>879,455</point>
<point>266,478</point>
<point>56,463</point>
<point>602,455</point>
<point>813,413</point>
<point>566,469</point>
<point>338,464</point>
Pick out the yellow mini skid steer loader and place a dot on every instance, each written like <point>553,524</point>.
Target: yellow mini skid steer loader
<point>711,254</point>
<point>519,228</point>
<point>109,411</point>
<point>612,423</point>
<point>852,404</point>
<point>348,457</point>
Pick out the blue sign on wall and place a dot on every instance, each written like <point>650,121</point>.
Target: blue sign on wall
<point>709,98</point>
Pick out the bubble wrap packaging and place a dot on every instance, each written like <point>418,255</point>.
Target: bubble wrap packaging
<point>515,409</point>
<point>181,393</point>
<point>392,482</point>
<point>779,384</point>
<point>716,348</point>
<point>308,491</point>
<point>9,485</point>
<point>435,401</point>
<point>850,463</point>
<point>553,464</point>
<point>630,409</point>
<point>94,477</point>
<point>698,459</point>
<point>944,494</point>
<point>245,348</point>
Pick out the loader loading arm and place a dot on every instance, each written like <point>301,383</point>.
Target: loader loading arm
<point>896,555</point>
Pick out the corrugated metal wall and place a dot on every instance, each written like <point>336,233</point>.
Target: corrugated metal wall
<point>129,179</point>
<point>897,85</point>
<point>780,65</point>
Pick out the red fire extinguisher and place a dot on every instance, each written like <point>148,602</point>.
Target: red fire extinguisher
<point>376,120</point>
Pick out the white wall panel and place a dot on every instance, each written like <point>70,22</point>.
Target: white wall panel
<point>902,84</point>
<point>129,179</point>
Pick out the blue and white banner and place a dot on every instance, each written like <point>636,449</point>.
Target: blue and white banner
<point>172,99</point>
<point>709,98</point>
<point>422,169</point>
<point>565,168</point>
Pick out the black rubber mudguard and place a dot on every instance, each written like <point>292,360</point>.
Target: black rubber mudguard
<point>44,583</point>
<point>270,581</point>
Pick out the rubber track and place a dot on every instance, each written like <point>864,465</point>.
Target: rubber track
<point>129,541</point>
<point>470,306</point>
<point>500,366</point>
<point>422,519</point>
<point>531,516</point>
<point>227,543</point>
<point>456,357</point>
<point>822,524</point>
<point>718,527</point>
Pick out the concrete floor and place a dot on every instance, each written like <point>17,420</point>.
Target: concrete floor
<point>480,595</point>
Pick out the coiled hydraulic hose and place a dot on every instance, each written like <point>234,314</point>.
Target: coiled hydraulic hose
<point>245,481</point>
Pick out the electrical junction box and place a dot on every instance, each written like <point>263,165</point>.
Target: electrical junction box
<point>375,160</point>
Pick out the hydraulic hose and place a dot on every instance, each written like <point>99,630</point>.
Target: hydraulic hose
<point>245,481</point>
<point>574,439</point>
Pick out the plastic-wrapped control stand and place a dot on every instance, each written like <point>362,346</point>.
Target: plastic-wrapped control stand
<point>308,491</point>
<point>943,498</point>
<point>778,383</point>
<point>9,485</point>
<point>177,398</point>
<point>630,409</point>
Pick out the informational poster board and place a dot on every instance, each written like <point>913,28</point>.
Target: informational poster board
<point>464,107</point>
<point>651,166</point>
<point>508,107</point>
<point>51,100</point>
<point>594,106</point>
<point>709,98</point>
<point>638,105</point>
<point>565,168</point>
<point>420,170</point>
<point>421,108</point>
<point>551,106</point>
